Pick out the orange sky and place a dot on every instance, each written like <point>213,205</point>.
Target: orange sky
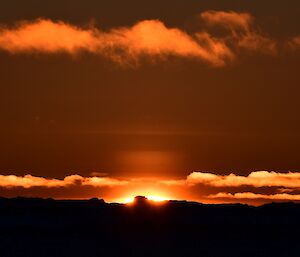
<point>198,186</point>
<point>194,100</point>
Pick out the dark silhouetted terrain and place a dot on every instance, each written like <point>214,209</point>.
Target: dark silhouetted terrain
<point>50,228</point>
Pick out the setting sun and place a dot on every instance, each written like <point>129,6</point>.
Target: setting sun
<point>154,198</point>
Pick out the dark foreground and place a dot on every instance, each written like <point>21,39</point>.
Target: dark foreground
<point>48,228</point>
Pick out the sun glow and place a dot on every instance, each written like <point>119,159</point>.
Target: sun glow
<point>154,198</point>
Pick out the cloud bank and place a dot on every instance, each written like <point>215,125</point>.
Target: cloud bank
<point>29,181</point>
<point>279,186</point>
<point>253,196</point>
<point>254,179</point>
<point>148,38</point>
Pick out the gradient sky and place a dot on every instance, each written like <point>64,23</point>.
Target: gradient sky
<point>153,97</point>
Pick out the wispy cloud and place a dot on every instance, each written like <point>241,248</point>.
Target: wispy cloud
<point>253,196</point>
<point>241,31</point>
<point>231,20</point>
<point>294,43</point>
<point>148,38</point>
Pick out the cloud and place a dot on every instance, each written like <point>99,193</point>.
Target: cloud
<point>255,179</point>
<point>250,195</point>
<point>29,181</point>
<point>146,38</point>
<point>198,186</point>
<point>231,20</point>
<point>294,43</point>
<point>154,38</point>
<point>241,31</point>
<point>46,36</point>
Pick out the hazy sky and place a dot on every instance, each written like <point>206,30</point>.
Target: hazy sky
<point>150,89</point>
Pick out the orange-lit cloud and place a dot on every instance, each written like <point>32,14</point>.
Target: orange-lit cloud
<point>29,181</point>
<point>148,38</point>
<point>280,186</point>
<point>231,20</point>
<point>255,179</point>
<point>294,43</point>
<point>46,36</point>
<point>241,31</point>
<point>250,195</point>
